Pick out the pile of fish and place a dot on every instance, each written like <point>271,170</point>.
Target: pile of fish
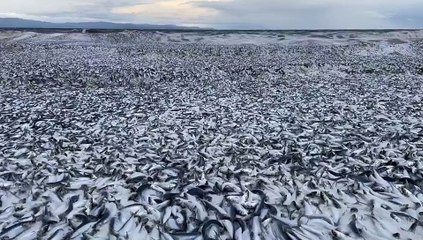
<point>118,136</point>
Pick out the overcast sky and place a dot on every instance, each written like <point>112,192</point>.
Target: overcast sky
<point>239,14</point>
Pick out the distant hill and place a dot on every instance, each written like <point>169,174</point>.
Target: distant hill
<point>24,23</point>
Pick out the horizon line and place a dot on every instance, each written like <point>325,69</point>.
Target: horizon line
<point>183,27</point>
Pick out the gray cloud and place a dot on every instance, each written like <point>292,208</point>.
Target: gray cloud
<point>67,10</point>
<point>243,14</point>
<point>286,14</point>
<point>409,16</point>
